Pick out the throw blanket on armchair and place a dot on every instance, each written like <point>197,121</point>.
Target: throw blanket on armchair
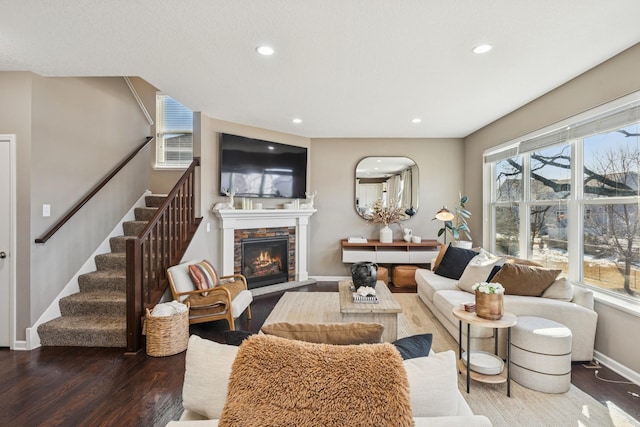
<point>280,382</point>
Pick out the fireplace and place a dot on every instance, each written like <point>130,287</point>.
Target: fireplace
<point>235,225</point>
<point>265,261</point>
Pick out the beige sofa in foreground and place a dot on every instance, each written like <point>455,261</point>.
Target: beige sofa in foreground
<point>433,389</point>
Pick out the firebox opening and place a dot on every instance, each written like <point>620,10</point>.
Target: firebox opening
<point>264,261</point>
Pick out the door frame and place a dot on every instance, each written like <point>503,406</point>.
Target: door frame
<point>11,259</point>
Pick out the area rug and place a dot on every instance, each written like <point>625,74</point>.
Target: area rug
<point>525,407</point>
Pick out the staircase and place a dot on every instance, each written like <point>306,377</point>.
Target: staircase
<point>96,316</point>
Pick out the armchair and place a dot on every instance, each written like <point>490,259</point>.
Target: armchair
<point>227,299</point>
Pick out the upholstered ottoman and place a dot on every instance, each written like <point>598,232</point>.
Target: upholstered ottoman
<point>541,354</point>
<point>383,274</point>
<point>404,275</point>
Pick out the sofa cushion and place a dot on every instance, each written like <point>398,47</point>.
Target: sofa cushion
<point>414,346</point>
<point>478,270</point>
<point>430,283</point>
<point>454,262</point>
<point>327,333</point>
<point>433,384</point>
<point>207,370</point>
<point>276,381</point>
<point>561,289</point>
<point>525,280</point>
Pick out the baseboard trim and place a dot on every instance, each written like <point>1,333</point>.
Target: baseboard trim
<point>617,367</point>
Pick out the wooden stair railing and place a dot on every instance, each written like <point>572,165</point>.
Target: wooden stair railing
<point>91,193</point>
<point>159,246</point>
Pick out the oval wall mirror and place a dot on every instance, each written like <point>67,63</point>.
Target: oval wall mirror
<point>394,180</point>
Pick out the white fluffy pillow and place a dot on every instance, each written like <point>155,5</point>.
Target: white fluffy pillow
<point>207,370</point>
<point>433,384</point>
<point>561,289</point>
<point>478,270</point>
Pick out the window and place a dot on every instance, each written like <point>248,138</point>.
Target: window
<point>174,129</point>
<point>577,209</point>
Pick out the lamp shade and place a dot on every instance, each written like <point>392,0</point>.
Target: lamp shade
<point>444,214</point>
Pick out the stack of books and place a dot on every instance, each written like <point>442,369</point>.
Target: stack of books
<point>369,299</point>
<point>470,307</point>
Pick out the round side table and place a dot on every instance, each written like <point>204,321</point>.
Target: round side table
<point>507,321</point>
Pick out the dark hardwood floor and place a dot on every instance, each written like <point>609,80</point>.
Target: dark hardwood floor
<point>75,386</point>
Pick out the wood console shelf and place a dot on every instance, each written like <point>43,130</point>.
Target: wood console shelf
<point>398,252</point>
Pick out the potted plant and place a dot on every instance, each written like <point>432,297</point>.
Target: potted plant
<point>489,300</point>
<point>458,226</point>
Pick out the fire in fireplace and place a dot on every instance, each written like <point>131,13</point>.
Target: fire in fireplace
<point>264,260</point>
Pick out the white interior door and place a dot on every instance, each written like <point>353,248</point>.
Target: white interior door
<point>7,143</point>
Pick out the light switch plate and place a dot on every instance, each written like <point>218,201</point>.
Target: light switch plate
<point>46,210</point>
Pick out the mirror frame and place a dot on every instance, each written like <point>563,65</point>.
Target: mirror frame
<point>369,169</point>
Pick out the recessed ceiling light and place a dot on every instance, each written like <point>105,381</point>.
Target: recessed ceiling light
<point>297,120</point>
<point>482,48</point>
<point>265,50</point>
<point>271,147</point>
<point>416,120</point>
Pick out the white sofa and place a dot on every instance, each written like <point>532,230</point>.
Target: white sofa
<point>442,294</point>
<point>435,398</point>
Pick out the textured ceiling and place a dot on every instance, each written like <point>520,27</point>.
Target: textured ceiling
<point>346,68</point>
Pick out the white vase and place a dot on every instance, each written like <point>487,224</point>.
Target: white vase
<point>386,235</point>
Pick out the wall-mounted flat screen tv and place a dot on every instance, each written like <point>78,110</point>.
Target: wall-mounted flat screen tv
<point>258,168</point>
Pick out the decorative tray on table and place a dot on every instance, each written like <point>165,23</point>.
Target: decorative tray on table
<point>483,362</point>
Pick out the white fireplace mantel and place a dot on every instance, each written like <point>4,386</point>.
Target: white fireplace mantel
<point>233,219</point>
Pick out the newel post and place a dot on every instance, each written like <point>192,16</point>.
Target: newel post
<point>134,296</point>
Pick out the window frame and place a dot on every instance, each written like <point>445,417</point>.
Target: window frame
<point>161,148</point>
<point>576,203</point>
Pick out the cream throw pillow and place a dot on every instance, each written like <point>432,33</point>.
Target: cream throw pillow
<point>433,384</point>
<point>561,289</point>
<point>478,270</point>
<point>207,370</point>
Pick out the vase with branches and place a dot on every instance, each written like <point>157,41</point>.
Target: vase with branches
<point>386,215</point>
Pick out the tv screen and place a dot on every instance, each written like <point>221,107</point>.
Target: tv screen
<point>257,168</point>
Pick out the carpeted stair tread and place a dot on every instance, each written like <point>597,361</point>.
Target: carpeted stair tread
<point>133,228</point>
<point>111,261</point>
<point>104,280</point>
<point>154,200</point>
<point>84,331</point>
<point>119,243</point>
<point>144,214</point>
<point>94,303</point>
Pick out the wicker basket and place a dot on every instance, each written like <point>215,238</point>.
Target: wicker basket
<point>167,335</point>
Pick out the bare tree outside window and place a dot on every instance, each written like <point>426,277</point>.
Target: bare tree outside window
<point>611,231</point>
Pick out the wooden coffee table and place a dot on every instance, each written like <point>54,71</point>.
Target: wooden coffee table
<point>385,312</point>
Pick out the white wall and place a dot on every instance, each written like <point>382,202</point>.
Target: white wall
<point>70,133</point>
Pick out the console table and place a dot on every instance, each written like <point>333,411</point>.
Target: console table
<point>398,252</point>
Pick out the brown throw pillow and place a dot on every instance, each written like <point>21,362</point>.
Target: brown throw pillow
<point>525,280</point>
<point>280,382</point>
<point>436,263</point>
<point>327,333</point>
